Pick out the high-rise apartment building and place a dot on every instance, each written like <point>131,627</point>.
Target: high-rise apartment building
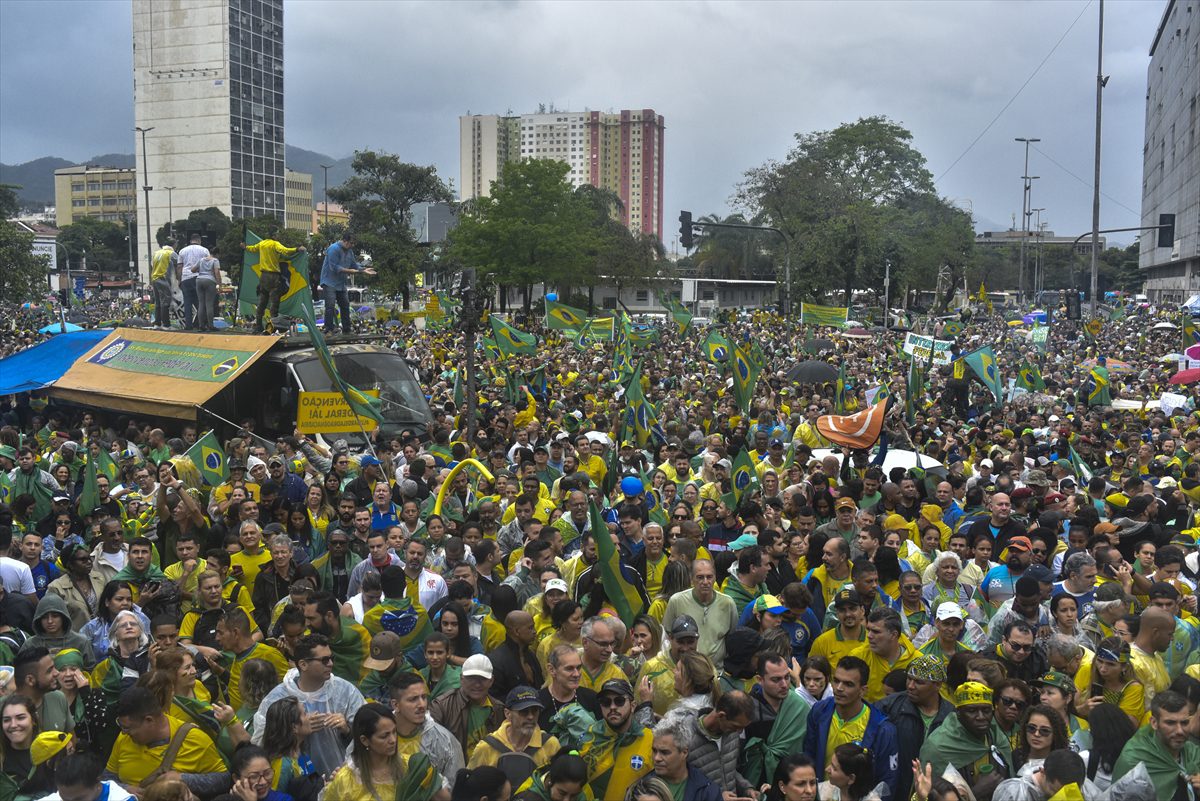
<point>622,152</point>
<point>106,193</point>
<point>298,200</point>
<point>1171,157</point>
<point>208,84</point>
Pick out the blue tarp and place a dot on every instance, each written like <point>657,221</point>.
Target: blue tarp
<point>44,364</point>
<point>57,328</point>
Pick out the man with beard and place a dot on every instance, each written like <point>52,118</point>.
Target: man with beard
<point>916,712</point>
<point>519,735</point>
<point>1165,748</point>
<point>971,741</point>
<point>617,749</point>
<point>348,641</point>
<point>1000,584</point>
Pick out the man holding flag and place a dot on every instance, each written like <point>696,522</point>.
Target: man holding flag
<point>271,288</point>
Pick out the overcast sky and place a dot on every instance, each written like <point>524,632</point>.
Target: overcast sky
<point>735,81</point>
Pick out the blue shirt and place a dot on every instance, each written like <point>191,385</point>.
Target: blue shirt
<point>338,261</point>
<point>999,585</point>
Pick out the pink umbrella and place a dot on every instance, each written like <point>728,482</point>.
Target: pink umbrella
<point>1186,376</point>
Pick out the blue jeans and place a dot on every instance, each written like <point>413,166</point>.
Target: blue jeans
<point>343,304</point>
<point>190,302</point>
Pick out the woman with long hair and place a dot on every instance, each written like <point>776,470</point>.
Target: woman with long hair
<point>567,623</point>
<point>850,776</point>
<point>117,596</point>
<point>1111,728</point>
<point>18,728</point>
<point>564,779</point>
<point>1042,730</point>
<point>815,673</point>
<point>795,779</point>
<point>677,577</point>
<point>375,769</point>
<point>1114,682</point>
<point>320,511</point>
<point>173,681</point>
<point>456,625</point>
<point>283,736</point>
<point>484,783</point>
<point>1057,691</point>
<point>302,531</point>
<point>696,682</point>
<point>649,788</point>
<point>258,678</point>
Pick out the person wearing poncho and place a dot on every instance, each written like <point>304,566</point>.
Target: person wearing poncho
<point>761,755</point>
<point>1164,747</point>
<point>970,740</point>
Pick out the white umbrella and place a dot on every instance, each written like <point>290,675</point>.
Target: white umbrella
<point>1164,326</point>
<point>895,458</point>
<point>1172,357</point>
<point>599,436</point>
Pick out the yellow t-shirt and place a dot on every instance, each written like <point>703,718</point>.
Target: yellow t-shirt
<point>269,251</point>
<point>132,762</point>
<point>654,574</point>
<point>594,683</point>
<point>831,645</point>
<point>257,651</point>
<point>879,667</point>
<point>846,731</point>
<point>251,564</point>
<point>173,572</point>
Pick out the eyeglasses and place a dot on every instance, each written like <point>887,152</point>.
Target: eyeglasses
<point>324,660</point>
<point>612,700</point>
<point>1014,703</point>
<point>603,643</point>
<point>261,776</point>
<point>1039,731</point>
<point>1019,647</point>
<point>1041,551</point>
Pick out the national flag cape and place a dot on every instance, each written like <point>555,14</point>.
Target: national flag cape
<point>643,334</point>
<point>640,416</point>
<point>209,458</point>
<point>858,430</point>
<point>745,376</point>
<point>1085,472</point>
<point>743,478</point>
<point>1029,377</point>
<point>839,390</point>
<point>679,312</point>
<point>296,296</point>
<point>812,314</point>
<point>1118,311</point>
<point>983,363</point>
<point>1099,394</point>
<point>510,340</point>
<point>560,316</point>
<point>624,597</point>
<point>360,403</point>
<point>716,347</point>
<point>105,466</point>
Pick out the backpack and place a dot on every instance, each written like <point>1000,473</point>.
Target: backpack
<point>518,766</point>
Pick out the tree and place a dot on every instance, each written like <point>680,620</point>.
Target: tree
<point>929,244</point>
<point>103,244</point>
<point>533,227</point>
<point>267,226</point>
<point>730,253</point>
<point>24,274</point>
<point>211,223</point>
<point>9,205</point>
<point>379,197</point>
<point>830,198</point>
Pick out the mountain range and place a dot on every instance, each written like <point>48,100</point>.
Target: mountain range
<point>36,178</point>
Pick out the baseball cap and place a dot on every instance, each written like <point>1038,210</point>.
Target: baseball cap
<point>1057,679</point>
<point>1039,573</point>
<point>367,460</point>
<point>477,665</point>
<point>775,443</point>
<point>1020,544</point>
<point>274,460</point>
<point>60,496</point>
<point>948,610</point>
<point>684,626</point>
<point>1106,528</point>
<point>723,463</point>
<point>616,687</point>
<point>847,596</point>
<point>769,603</point>
<point>236,464</point>
<point>556,584</point>
<point>522,697</point>
<point>988,463</point>
<point>46,745</point>
<point>845,503</point>
<point>386,648</point>
<point>743,541</point>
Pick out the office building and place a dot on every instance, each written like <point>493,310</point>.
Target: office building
<point>106,193</point>
<point>208,82</point>
<point>621,152</point>
<point>1171,157</point>
<point>1046,239</point>
<point>329,212</point>
<point>298,201</point>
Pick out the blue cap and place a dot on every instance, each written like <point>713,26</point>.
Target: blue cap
<point>366,460</point>
<point>631,486</point>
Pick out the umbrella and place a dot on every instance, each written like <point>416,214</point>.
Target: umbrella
<point>137,322</point>
<point>1113,365</point>
<point>894,458</point>
<point>392,324</point>
<point>1164,326</point>
<point>811,373</point>
<point>818,345</point>
<point>853,324</point>
<point>220,324</point>
<point>857,333</point>
<point>77,317</point>
<point>599,436</point>
<point>57,328</point>
<point>1172,357</point>
<point>1016,323</point>
<point>1186,376</point>
<point>364,309</point>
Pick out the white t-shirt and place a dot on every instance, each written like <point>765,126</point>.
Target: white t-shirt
<point>17,576</point>
<point>189,260</point>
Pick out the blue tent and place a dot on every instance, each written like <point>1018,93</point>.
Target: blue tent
<point>43,364</point>
<point>56,328</point>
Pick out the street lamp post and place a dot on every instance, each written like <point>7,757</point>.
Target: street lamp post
<point>170,215</point>
<point>146,190</point>
<point>1037,253</point>
<point>325,169</point>
<point>1027,188</point>
<point>1100,82</point>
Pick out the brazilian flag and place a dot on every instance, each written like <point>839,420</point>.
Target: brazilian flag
<point>716,347</point>
<point>744,477</point>
<point>560,316</point>
<point>640,415</point>
<point>1030,378</point>
<point>983,363</point>
<point>745,376</point>
<point>1099,394</point>
<point>209,458</point>
<point>679,312</point>
<point>839,390</point>
<point>952,328</point>
<point>491,348</point>
<point>296,296</point>
<point>624,596</point>
<point>512,341</point>
<point>360,403</point>
<point>1190,331</point>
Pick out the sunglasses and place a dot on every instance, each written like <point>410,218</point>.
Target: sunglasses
<point>1014,703</point>
<point>324,660</point>
<point>612,700</point>
<point>1019,647</point>
<point>1039,731</point>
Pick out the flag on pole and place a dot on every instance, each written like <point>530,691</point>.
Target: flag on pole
<point>813,314</point>
<point>640,416</point>
<point>858,430</point>
<point>679,312</point>
<point>1099,394</point>
<point>1085,472</point>
<point>460,395</point>
<point>914,386</point>
<point>360,403</point>
<point>510,340</point>
<point>983,363</point>
<point>716,347</point>
<point>745,376</point>
<point>743,478</point>
<point>296,295</point>
<point>624,597</point>
<point>209,458</point>
<point>622,350</point>
<point>560,316</point>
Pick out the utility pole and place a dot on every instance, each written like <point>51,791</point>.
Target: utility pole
<point>470,323</point>
<point>1037,255</point>
<point>146,190</point>
<point>325,169</point>
<point>170,215</point>
<point>1100,82</point>
<point>1026,191</point>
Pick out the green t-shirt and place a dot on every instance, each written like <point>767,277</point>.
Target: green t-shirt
<point>676,789</point>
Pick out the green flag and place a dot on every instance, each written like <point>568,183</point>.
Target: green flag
<point>296,295</point>
<point>490,348</point>
<point>1085,472</point>
<point>622,351</point>
<point>640,415</point>
<point>209,458</point>
<point>560,316</point>
<point>512,341</point>
<point>812,314</point>
<point>89,496</point>
<point>679,312</point>
<point>983,363</point>
<point>1029,377</point>
<point>716,347</point>
<point>460,396</point>
<point>745,376</point>
<point>624,597</point>
<point>1099,394</point>
<point>744,477</point>
<point>839,390</point>
<point>360,403</point>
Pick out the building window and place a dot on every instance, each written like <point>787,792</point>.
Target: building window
<point>77,187</point>
<point>77,204</point>
<point>93,201</point>
<point>93,186</point>
<point>643,296</point>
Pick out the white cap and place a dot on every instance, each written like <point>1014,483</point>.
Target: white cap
<point>1053,418</point>
<point>988,463</point>
<point>477,665</point>
<point>556,584</point>
<point>948,609</point>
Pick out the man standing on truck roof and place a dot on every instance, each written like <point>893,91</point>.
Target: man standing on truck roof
<point>189,263</point>
<point>165,264</point>
<point>339,260</point>
<point>270,282</point>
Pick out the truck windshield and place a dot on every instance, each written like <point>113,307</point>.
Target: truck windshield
<point>403,402</point>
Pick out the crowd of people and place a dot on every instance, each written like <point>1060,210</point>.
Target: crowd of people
<point>997,600</point>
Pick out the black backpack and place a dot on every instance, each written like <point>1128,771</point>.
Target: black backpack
<point>518,766</point>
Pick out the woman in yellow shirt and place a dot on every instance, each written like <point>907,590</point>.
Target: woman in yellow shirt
<point>375,769</point>
<point>1113,680</point>
<point>567,621</point>
<point>676,577</point>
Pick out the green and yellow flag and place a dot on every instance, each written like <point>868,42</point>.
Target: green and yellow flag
<point>560,316</point>
<point>296,296</point>
<point>839,390</point>
<point>640,416</point>
<point>1030,378</point>
<point>813,314</point>
<point>679,312</point>
<point>209,458</point>
<point>745,376</point>
<point>360,403</point>
<point>744,477</point>
<point>716,347</point>
<point>1099,395</point>
<point>510,340</point>
<point>983,363</point>
<point>624,596</point>
<point>1190,331</point>
<point>622,349</point>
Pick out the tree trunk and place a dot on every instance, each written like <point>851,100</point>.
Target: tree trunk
<point>527,289</point>
<point>404,293</point>
<point>591,300</point>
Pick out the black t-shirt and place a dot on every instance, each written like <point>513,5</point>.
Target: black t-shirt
<point>550,707</point>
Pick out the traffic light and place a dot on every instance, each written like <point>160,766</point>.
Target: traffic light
<point>685,230</point>
<point>1166,235</point>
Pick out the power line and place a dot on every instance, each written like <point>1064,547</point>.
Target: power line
<point>1013,99</point>
<point>1084,181</point>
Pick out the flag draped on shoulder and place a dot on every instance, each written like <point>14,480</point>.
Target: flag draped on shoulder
<point>294,269</point>
<point>983,363</point>
<point>560,316</point>
<point>209,458</point>
<point>858,430</point>
<point>716,347</point>
<point>512,341</point>
<point>624,597</point>
<point>813,314</point>
<point>360,403</point>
